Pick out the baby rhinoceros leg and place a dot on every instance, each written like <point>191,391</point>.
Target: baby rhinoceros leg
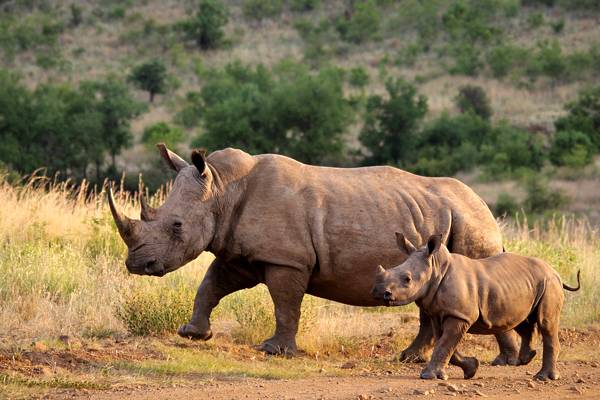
<point>526,353</point>
<point>548,320</point>
<point>447,338</point>
<point>469,365</point>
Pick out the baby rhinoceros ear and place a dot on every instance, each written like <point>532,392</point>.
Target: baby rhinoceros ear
<point>404,244</point>
<point>433,244</point>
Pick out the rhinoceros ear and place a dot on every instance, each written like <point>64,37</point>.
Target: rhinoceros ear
<point>173,160</point>
<point>199,160</point>
<point>404,244</point>
<point>433,244</point>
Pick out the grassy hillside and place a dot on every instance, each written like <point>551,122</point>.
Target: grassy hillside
<point>113,36</point>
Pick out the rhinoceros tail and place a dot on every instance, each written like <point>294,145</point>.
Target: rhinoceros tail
<point>573,289</point>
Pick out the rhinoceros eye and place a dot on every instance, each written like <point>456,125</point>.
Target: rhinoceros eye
<point>177,227</point>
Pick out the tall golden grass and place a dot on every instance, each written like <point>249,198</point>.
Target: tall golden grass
<point>62,273</point>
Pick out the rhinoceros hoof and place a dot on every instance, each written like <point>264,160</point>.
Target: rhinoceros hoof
<point>189,331</point>
<point>526,359</point>
<point>504,359</point>
<point>434,374</point>
<point>412,356</point>
<point>276,347</point>
<point>470,366</point>
<point>547,375</point>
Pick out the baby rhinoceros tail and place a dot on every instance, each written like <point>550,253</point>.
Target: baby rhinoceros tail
<point>573,289</point>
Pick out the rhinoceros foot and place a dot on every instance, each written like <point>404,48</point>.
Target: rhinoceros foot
<point>411,355</point>
<point>469,367</point>
<point>505,359</point>
<point>545,375</point>
<point>189,331</point>
<point>428,373</point>
<point>277,346</point>
<point>526,359</point>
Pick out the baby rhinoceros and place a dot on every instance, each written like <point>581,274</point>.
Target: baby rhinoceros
<point>485,296</point>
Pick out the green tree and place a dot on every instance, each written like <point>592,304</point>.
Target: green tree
<point>117,108</point>
<point>392,123</point>
<point>360,24</point>
<point>206,27</point>
<point>472,98</point>
<point>571,148</point>
<point>583,115</point>
<point>288,111</point>
<point>162,132</point>
<point>151,77</point>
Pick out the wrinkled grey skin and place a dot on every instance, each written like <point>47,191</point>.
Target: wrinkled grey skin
<point>487,296</point>
<point>299,229</point>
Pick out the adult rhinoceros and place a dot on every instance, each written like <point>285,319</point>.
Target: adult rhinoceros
<point>300,229</point>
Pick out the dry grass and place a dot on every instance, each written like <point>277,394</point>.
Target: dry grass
<point>61,272</point>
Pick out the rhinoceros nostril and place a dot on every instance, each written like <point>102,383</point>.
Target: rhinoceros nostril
<point>387,295</point>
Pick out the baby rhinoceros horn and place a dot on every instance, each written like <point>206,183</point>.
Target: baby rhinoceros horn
<point>124,224</point>
<point>380,270</point>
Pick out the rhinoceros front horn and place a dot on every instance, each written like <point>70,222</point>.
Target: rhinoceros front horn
<point>124,224</point>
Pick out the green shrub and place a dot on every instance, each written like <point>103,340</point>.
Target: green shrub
<point>161,132</point>
<point>151,311</point>
<point>583,115</point>
<point>206,28</point>
<point>317,39</point>
<point>511,151</point>
<point>304,5</point>
<point>254,312</point>
<point>540,198</point>
<point>506,205</point>
<point>76,14</point>
<point>467,59</point>
<point>359,77</point>
<point>535,20</point>
<point>584,5</point>
<point>450,144</point>
<point>558,26</point>
<point>262,9</point>
<point>362,25</point>
<point>472,98</point>
<point>150,76</point>
<point>503,59</point>
<point>571,148</point>
<point>547,60</point>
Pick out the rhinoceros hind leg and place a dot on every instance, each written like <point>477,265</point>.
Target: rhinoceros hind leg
<point>509,355</point>
<point>287,287</point>
<point>420,349</point>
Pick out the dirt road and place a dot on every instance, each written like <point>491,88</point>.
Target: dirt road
<point>581,380</point>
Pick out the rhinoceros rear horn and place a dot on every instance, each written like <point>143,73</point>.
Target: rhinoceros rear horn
<point>173,160</point>
<point>124,224</point>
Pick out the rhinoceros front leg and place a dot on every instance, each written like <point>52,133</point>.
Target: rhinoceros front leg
<point>418,351</point>
<point>220,280</point>
<point>287,287</point>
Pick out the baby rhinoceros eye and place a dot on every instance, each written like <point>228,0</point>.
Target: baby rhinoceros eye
<point>407,279</point>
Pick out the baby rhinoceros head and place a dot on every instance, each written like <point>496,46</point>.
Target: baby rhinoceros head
<point>408,281</point>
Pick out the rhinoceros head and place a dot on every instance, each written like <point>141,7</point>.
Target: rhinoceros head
<point>408,281</point>
<point>168,237</point>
